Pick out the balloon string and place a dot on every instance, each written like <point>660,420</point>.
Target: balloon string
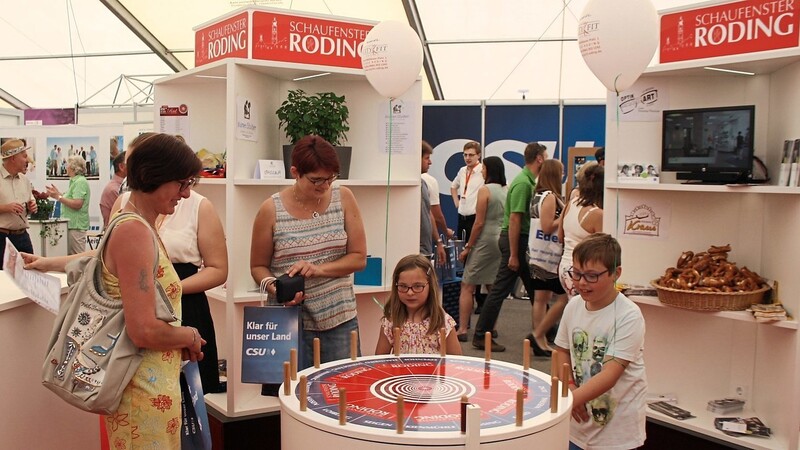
<point>388,191</point>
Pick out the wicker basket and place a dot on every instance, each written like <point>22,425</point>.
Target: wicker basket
<point>709,301</point>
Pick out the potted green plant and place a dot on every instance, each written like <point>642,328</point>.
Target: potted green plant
<point>324,114</point>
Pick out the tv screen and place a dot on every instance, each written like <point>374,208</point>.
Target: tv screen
<point>708,141</point>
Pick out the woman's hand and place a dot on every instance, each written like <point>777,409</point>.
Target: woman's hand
<point>53,192</point>
<point>34,262</point>
<point>193,352</point>
<point>297,300</point>
<point>304,268</point>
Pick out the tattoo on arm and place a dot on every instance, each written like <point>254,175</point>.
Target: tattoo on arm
<point>143,275</point>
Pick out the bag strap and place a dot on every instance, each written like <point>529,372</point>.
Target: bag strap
<point>114,222</point>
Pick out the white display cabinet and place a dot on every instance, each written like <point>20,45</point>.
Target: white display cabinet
<point>389,211</point>
<point>708,355</point>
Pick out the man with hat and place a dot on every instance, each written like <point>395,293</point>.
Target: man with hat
<point>16,199</point>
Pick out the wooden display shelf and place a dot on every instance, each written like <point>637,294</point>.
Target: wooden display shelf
<point>354,182</point>
<point>695,188</point>
<point>220,294</point>
<point>744,316</point>
<point>703,425</point>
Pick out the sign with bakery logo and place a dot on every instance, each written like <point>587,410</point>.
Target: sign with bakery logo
<point>730,29</point>
<point>228,38</point>
<point>643,219</point>
<point>310,40</point>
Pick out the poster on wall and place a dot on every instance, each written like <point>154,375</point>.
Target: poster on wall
<point>246,119</point>
<point>59,149</point>
<point>642,102</point>
<point>395,127</point>
<point>644,219</point>
<point>174,120</point>
<point>116,146</point>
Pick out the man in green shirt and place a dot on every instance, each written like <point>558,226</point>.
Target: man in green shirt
<point>513,243</point>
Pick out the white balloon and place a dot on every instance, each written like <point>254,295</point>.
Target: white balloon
<point>391,57</point>
<point>617,39</point>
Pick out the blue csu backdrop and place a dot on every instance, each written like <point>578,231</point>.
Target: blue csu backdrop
<point>507,130</point>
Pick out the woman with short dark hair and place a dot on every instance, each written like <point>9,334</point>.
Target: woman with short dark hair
<point>161,169</point>
<point>314,229</point>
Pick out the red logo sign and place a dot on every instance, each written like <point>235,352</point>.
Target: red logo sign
<point>166,110</point>
<point>731,29</point>
<point>226,39</point>
<point>281,37</point>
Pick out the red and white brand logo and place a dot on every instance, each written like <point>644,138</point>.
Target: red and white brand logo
<point>226,39</point>
<point>181,110</point>
<point>735,28</point>
<point>309,40</point>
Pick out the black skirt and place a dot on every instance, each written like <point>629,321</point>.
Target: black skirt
<point>196,313</point>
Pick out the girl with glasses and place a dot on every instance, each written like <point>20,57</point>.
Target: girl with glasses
<point>413,306</point>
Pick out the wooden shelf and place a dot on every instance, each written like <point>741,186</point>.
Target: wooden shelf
<point>349,183</point>
<point>220,294</point>
<point>694,188</point>
<point>703,425</point>
<point>744,316</point>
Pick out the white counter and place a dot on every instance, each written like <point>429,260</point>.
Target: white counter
<point>31,414</point>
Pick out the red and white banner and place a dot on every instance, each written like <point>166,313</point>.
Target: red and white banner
<point>225,39</point>
<point>309,40</point>
<point>735,28</point>
<point>274,36</point>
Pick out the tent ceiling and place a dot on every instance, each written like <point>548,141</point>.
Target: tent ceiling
<point>481,49</point>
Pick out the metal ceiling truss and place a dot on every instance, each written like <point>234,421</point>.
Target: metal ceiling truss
<point>144,34</point>
<point>412,13</point>
<point>129,90</point>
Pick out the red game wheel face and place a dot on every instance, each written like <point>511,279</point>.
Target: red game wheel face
<point>431,387</point>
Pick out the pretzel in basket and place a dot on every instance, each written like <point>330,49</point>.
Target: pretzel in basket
<point>710,271</point>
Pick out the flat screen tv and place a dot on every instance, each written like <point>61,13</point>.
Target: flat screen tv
<point>709,145</point>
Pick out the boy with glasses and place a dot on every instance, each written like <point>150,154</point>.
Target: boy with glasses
<point>608,383</point>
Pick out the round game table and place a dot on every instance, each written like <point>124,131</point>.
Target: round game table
<point>432,388</point>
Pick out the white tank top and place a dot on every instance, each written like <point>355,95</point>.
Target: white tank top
<point>574,232</point>
<point>178,230</point>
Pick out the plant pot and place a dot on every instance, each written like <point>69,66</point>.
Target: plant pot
<point>343,153</point>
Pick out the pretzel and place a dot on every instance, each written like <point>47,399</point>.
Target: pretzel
<point>710,271</point>
<point>719,249</point>
<point>684,259</point>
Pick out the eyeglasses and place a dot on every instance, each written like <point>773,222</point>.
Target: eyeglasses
<point>319,181</point>
<point>588,276</point>
<point>470,155</point>
<point>417,288</point>
<point>188,183</point>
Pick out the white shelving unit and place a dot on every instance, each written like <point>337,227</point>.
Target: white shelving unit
<point>699,355</point>
<point>211,93</point>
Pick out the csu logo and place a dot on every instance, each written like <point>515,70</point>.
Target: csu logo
<point>546,237</point>
<point>255,351</point>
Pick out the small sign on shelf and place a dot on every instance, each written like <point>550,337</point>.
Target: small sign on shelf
<point>269,169</point>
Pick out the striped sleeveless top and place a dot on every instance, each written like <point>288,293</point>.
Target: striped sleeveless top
<point>329,301</point>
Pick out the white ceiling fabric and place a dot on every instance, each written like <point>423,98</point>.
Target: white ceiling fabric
<point>550,69</point>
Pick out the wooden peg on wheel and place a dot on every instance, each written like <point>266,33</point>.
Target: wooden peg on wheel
<point>520,404</point>
<point>526,354</point>
<point>442,342</point>
<point>303,393</point>
<point>564,379</point>
<point>487,345</point>
<point>293,363</point>
<point>316,353</point>
<point>396,344</point>
<point>342,406</point>
<point>287,378</point>
<point>401,414</point>
<point>354,345</point>
<point>554,394</point>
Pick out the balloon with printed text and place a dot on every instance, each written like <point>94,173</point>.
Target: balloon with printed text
<point>617,39</point>
<point>392,58</point>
